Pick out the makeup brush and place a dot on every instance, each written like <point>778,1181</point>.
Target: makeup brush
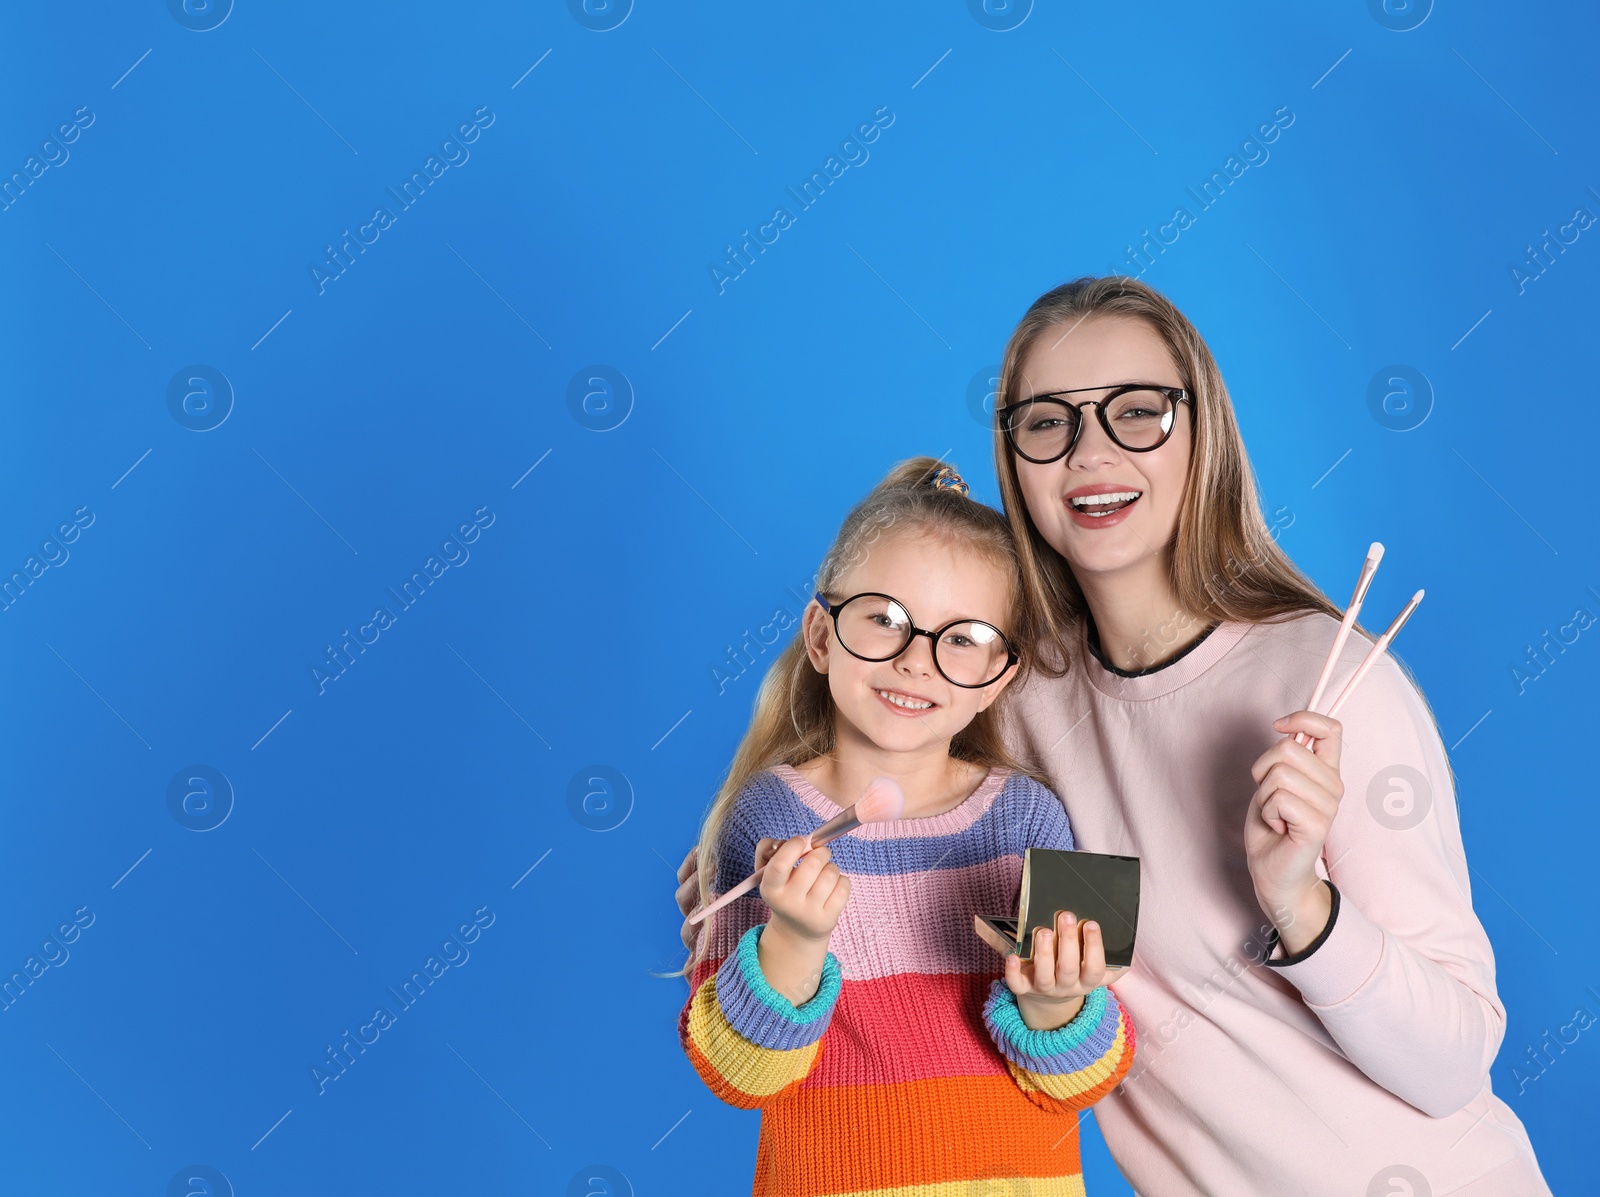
<point>1368,569</point>
<point>1377,651</point>
<point>883,802</point>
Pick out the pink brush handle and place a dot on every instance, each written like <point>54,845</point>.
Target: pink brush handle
<point>1362,670</point>
<point>744,887</point>
<point>1333,656</point>
<point>1368,568</point>
<point>1372,657</point>
<point>1373,654</point>
<point>841,824</point>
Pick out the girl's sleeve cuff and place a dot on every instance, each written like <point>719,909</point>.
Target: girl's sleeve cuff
<point>1079,1044</point>
<point>762,1015</point>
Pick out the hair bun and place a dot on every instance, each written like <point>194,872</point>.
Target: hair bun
<point>948,479</point>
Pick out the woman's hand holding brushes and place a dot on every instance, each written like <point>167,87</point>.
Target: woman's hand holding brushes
<point>883,802</point>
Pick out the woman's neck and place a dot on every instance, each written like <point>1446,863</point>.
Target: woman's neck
<point>1140,622</point>
<point>932,784</point>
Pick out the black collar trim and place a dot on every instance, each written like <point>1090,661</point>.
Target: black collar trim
<point>1092,637</point>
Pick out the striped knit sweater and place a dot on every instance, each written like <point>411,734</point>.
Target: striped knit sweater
<point>910,1073</point>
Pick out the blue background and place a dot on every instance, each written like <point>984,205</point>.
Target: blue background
<point>646,526</point>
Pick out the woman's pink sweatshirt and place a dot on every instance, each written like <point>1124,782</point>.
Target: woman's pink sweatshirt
<point>1363,1065</point>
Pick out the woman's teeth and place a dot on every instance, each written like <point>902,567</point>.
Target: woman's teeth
<point>1099,505</point>
<point>900,700</point>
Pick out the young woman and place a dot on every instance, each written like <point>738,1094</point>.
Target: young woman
<point>1315,995</point>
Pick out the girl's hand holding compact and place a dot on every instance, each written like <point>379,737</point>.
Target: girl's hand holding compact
<point>1050,987</point>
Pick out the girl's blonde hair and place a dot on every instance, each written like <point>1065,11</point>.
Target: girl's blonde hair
<point>1225,564</point>
<point>793,717</point>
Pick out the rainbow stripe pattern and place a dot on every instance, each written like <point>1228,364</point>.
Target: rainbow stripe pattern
<point>910,1072</point>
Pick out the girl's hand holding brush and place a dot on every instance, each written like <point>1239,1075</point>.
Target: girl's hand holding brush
<point>883,802</point>
<point>806,899</point>
<point>806,892</point>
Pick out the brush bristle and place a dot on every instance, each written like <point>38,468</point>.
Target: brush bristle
<point>1375,553</point>
<point>883,802</point>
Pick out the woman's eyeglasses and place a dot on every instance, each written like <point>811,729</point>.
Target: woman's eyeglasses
<point>876,627</point>
<point>1139,417</point>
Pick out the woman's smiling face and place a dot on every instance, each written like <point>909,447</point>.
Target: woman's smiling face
<point>1105,351</point>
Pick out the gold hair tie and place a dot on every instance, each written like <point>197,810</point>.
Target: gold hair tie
<point>948,479</point>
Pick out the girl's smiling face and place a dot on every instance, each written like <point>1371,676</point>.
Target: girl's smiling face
<point>937,582</point>
<point>1105,351</point>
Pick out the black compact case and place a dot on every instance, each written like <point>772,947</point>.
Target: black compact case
<point>1093,885</point>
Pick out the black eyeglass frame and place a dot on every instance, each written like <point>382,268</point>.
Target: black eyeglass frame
<point>1012,656</point>
<point>1176,394</point>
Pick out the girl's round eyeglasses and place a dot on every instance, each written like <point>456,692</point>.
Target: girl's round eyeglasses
<point>877,627</point>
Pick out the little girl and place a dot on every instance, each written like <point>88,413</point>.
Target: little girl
<point>852,1001</point>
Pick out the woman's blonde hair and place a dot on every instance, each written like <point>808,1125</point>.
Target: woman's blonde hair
<point>793,718</point>
<point>1225,564</point>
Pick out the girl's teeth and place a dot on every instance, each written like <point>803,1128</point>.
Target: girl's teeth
<point>909,704</point>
